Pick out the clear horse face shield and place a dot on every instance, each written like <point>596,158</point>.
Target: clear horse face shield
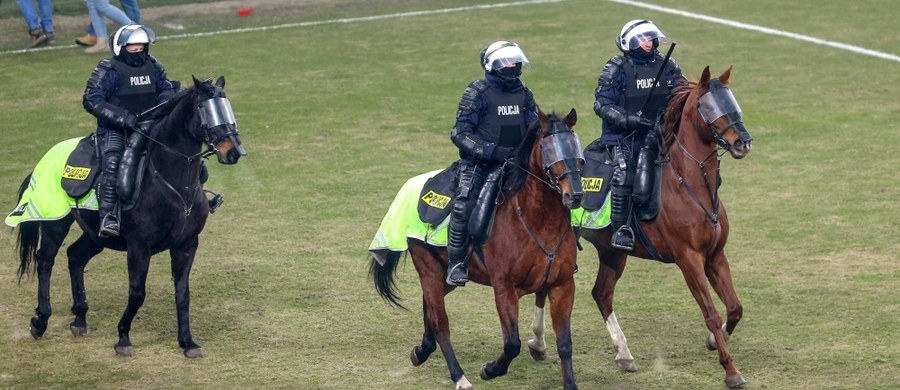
<point>217,117</point>
<point>719,102</point>
<point>565,146</point>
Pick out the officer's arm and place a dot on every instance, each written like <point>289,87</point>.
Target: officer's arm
<point>96,94</point>
<point>531,108</point>
<point>676,77</point>
<point>467,117</point>
<point>608,94</point>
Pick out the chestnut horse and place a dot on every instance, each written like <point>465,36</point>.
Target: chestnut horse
<point>169,214</point>
<point>532,249</point>
<point>691,228</point>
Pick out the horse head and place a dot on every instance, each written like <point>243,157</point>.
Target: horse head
<point>720,112</point>
<point>561,155</point>
<point>217,123</point>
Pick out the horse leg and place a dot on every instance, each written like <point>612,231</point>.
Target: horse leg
<point>693,271</point>
<point>138,264</point>
<point>538,346</point>
<point>80,253</point>
<point>437,326</point>
<point>508,308</point>
<point>52,236</point>
<point>182,260</point>
<point>719,275</point>
<point>612,266</point>
<point>421,352</point>
<point>562,299</point>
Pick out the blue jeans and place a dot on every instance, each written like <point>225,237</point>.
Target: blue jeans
<point>98,9</point>
<point>131,10</point>
<point>45,8</point>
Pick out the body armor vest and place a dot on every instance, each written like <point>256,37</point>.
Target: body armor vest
<point>136,91</point>
<point>639,80</point>
<point>504,121</point>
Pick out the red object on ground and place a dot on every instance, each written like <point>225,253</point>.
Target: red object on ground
<point>244,12</point>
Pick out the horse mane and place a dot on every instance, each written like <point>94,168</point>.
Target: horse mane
<point>514,178</point>
<point>674,111</point>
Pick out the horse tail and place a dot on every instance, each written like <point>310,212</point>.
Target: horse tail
<point>28,237</point>
<point>383,276</point>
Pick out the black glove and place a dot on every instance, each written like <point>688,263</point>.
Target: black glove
<point>638,123</point>
<point>502,153</point>
<point>129,120</point>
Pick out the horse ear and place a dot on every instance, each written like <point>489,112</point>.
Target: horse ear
<point>196,82</point>
<point>725,75</point>
<point>704,78</point>
<point>571,118</point>
<point>545,122</point>
<point>220,82</point>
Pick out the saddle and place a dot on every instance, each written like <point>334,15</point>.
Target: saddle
<point>436,200</point>
<point>83,168</point>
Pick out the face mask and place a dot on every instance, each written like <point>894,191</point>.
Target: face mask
<point>510,73</point>
<point>134,59</point>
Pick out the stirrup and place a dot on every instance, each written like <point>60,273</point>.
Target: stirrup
<point>216,202</point>
<point>623,234</point>
<point>459,281</point>
<point>109,227</point>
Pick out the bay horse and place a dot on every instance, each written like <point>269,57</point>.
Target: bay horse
<point>691,228</point>
<point>169,214</point>
<point>532,249</point>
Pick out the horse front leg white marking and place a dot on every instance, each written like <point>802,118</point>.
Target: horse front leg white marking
<point>537,346</point>
<point>711,339</point>
<point>464,384</point>
<point>623,355</point>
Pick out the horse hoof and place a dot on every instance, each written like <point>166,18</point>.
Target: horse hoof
<point>37,331</point>
<point>536,354</point>
<point>735,381</point>
<point>414,359</point>
<point>193,353</point>
<point>626,365</point>
<point>124,351</point>
<point>484,374</point>
<point>463,384</point>
<point>79,331</point>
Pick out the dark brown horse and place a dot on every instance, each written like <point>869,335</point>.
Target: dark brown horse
<point>691,228</point>
<point>532,249</point>
<point>169,214</point>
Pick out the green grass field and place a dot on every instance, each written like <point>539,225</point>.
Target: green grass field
<point>335,117</point>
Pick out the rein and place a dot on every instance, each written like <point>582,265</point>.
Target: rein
<point>712,216</point>
<point>551,254</point>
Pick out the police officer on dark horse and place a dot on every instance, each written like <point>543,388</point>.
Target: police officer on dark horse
<point>119,90</point>
<point>628,103</point>
<point>492,119</point>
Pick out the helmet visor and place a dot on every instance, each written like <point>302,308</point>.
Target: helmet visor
<point>134,34</point>
<point>642,33</point>
<point>504,57</point>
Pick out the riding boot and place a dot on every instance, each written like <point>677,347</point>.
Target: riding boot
<point>113,144</point>
<point>620,203</point>
<point>623,236</point>
<point>106,197</point>
<point>457,269</point>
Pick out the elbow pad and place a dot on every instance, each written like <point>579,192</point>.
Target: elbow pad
<point>469,144</point>
<point>614,115</point>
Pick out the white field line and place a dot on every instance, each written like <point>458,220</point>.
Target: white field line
<point>765,30</point>
<point>711,19</point>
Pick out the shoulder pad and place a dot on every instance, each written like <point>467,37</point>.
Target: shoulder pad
<point>105,63</point>
<point>610,71</point>
<point>616,60</point>
<point>472,93</point>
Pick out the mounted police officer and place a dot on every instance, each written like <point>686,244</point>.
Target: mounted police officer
<point>492,119</point>
<point>624,87</point>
